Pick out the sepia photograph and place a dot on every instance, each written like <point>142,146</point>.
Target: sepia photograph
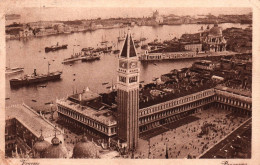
<point>117,82</point>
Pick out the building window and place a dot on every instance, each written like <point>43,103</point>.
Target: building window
<point>133,79</point>
<point>122,79</point>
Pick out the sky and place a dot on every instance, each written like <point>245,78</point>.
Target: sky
<point>32,14</point>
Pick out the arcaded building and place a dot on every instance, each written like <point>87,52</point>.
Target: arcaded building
<point>140,110</point>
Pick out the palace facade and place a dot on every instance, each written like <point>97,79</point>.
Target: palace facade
<point>24,126</point>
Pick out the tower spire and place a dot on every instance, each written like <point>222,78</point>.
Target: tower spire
<point>128,50</point>
<point>128,94</point>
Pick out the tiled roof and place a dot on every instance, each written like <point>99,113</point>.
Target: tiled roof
<point>31,120</point>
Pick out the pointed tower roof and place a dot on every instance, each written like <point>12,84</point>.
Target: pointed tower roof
<point>128,50</point>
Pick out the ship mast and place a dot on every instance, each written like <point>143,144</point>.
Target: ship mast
<point>48,67</point>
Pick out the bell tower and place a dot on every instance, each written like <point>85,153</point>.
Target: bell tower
<point>128,94</point>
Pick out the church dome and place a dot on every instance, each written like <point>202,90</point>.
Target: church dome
<point>55,141</point>
<point>215,31</point>
<point>56,150</point>
<point>41,145</point>
<point>85,149</point>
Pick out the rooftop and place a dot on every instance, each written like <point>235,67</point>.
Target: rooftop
<point>31,120</point>
<point>160,93</point>
<point>104,116</point>
<point>241,91</point>
<point>87,95</point>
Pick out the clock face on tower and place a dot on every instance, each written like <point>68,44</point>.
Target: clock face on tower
<point>123,64</point>
<point>133,65</point>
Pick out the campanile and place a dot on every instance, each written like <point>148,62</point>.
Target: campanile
<point>128,94</point>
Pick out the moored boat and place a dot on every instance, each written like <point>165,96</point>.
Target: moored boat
<point>55,47</point>
<point>35,78</point>
<point>90,57</point>
<point>75,57</point>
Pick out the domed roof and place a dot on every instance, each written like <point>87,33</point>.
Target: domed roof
<point>85,149</point>
<point>56,150</point>
<point>55,141</point>
<point>215,31</point>
<point>41,145</point>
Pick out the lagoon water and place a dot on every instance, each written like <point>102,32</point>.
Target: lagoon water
<point>30,54</point>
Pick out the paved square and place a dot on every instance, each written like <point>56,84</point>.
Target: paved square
<point>184,140</point>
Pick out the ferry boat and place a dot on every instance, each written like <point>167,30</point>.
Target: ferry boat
<point>35,78</point>
<point>13,70</point>
<point>55,47</point>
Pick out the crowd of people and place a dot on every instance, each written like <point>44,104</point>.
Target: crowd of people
<point>185,142</point>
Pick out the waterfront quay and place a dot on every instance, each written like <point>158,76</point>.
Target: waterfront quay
<point>32,29</point>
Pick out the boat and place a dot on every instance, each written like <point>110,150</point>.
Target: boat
<point>120,38</point>
<point>142,38</point>
<point>103,42</point>
<point>35,78</point>
<point>144,46</point>
<point>107,49</point>
<point>116,51</point>
<point>73,58</point>
<point>13,70</point>
<point>98,50</point>
<point>137,41</point>
<point>55,47</point>
<point>43,86</point>
<point>91,57</point>
<point>48,103</point>
<point>137,46</point>
<point>87,49</point>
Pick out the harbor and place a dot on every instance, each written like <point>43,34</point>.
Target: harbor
<point>115,92</point>
<point>98,70</point>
